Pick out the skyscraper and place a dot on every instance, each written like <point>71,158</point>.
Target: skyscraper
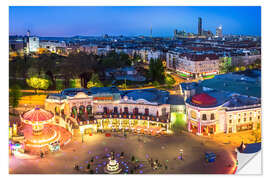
<point>219,31</point>
<point>200,26</point>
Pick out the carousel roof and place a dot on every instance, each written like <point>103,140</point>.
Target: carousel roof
<point>204,99</point>
<point>37,115</point>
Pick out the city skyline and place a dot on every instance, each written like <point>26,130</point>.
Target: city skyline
<point>132,21</point>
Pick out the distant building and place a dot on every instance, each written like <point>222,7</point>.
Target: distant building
<point>219,32</point>
<point>199,26</point>
<point>52,46</point>
<point>193,66</point>
<point>32,44</point>
<point>89,49</point>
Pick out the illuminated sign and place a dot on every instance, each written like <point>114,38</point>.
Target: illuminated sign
<point>108,98</point>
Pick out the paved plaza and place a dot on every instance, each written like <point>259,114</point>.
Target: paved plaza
<point>165,149</point>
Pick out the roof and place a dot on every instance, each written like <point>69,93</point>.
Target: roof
<point>37,115</point>
<point>151,95</point>
<point>236,82</point>
<point>74,91</point>
<point>204,99</point>
<point>97,90</point>
<point>238,101</point>
<point>176,100</point>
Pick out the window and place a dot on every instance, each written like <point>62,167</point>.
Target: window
<point>147,111</point>
<point>239,114</point>
<point>193,114</point>
<point>250,118</point>
<point>230,121</point>
<point>245,119</point>
<point>259,117</point>
<point>204,117</point>
<point>245,114</point>
<point>250,113</point>
<point>115,110</point>
<point>239,120</point>
<point>126,110</point>
<point>136,111</point>
<point>163,111</point>
<point>212,116</point>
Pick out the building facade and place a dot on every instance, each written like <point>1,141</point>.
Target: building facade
<point>211,111</point>
<point>193,66</point>
<point>111,109</point>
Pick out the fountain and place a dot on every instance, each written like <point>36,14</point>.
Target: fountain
<point>113,166</point>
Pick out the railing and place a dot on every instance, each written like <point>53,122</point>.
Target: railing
<point>243,107</point>
<point>162,119</point>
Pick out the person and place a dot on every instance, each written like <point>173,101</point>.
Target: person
<point>41,155</point>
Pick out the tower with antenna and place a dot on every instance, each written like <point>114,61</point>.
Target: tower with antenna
<point>28,33</point>
<point>151,31</point>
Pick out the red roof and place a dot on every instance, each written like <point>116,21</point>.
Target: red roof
<point>37,114</point>
<point>204,99</point>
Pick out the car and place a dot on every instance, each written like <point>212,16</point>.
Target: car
<point>210,157</point>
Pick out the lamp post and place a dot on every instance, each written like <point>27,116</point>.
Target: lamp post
<point>82,133</point>
<point>181,154</point>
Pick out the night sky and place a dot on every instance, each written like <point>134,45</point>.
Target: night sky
<point>129,21</point>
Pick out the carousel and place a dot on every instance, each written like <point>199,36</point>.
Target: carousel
<point>41,135</point>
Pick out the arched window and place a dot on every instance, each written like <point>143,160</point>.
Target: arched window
<point>146,111</point>
<point>204,117</point>
<point>105,109</point>
<point>126,110</point>
<point>89,109</point>
<point>136,111</point>
<point>163,111</point>
<point>212,116</point>
<point>115,109</point>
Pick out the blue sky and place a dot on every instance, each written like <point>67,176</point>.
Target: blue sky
<point>76,20</point>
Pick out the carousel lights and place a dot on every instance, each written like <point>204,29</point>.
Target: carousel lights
<point>46,140</point>
<point>42,145</point>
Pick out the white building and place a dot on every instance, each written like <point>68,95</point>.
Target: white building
<point>192,65</point>
<point>32,44</point>
<point>153,55</point>
<point>52,46</point>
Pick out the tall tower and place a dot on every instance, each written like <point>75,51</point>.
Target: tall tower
<point>219,31</point>
<point>199,26</point>
<point>151,32</point>
<point>28,33</point>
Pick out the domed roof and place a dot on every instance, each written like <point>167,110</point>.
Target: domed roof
<point>37,115</point>
<point>203,99</point>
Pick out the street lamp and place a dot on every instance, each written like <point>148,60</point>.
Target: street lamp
<point>181,154</point>
<point>82,131</point>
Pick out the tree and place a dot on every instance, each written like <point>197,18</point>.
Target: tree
<point>236,69</point>
<point>38,83</point>
<point>225,65</point>
<point>14,96</point>
<point>169,80</point>
<point>156,83</point>
<point>94,81</point>
<point>156,71</point>
<point>242,68</point>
